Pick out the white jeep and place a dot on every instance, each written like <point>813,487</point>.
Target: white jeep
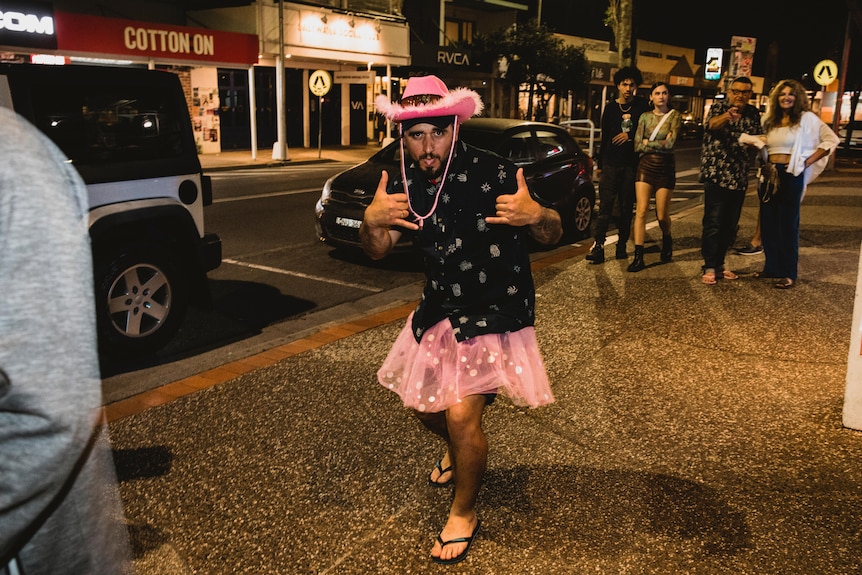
<point>128,132</point>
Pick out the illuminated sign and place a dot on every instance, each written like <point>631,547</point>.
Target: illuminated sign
<point>167,41</point>
<point>742,55</point>
<point>339,28</point>
<point>442,57</point>
<point>47,59</point>
<point>680,80</point>
<point>149,40</point>
<point>351,77</point>
<point>320,82</point>
<point>825,72</point>
<point>27,24</point>
<point>712,68</point>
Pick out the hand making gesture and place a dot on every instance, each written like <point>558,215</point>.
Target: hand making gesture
<point>520,209</point>
<point>384,211</point>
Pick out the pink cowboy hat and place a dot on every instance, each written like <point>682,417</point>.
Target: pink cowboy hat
<point>462,103</point>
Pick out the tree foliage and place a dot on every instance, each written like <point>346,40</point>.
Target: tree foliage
<point>530,53</point>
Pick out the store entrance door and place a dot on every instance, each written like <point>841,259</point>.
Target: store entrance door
<point>233,109</point>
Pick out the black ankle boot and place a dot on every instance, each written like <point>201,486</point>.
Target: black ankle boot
<point>637,263</point>
<point>597,253</point>
<point>666,248</point>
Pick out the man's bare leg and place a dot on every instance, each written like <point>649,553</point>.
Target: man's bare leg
<point>436,423</point>
<point>468,449</point>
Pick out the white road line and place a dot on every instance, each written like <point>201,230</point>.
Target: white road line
<point>301,275</point>
<point>283,171</point>
<point>269,195</point>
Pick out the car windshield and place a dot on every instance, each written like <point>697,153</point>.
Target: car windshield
<point>389,154</point>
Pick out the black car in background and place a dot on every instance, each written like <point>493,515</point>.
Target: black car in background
<point>555,167</point>
<point>690,128</point>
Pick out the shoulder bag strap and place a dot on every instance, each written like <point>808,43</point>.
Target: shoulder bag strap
<point>660,122</point>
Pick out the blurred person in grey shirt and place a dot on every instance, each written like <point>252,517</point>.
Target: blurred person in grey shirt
<point>60,510</point>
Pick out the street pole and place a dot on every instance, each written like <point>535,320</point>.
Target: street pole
<point>842,80</point>
<point>280,152</point>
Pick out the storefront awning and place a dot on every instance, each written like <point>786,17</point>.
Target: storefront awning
<point>144,41</point>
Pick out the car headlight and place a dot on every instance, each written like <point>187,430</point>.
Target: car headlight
<point>327,191</point>
<point>324,198</point>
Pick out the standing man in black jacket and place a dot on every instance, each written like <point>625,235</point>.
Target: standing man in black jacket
<point>617,161</point>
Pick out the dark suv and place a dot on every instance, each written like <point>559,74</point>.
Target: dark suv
<point>555,167</point>
<point>128,133</point>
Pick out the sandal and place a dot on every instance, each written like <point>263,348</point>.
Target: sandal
<point>461,556</point>
<point>729,275</point>
<point>784,283</point>
<point>708,278</point>
<point>439,467</point>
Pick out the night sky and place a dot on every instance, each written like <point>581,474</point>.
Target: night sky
<point>803,34</point>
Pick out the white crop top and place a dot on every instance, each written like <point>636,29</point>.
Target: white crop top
<point>780,140</point>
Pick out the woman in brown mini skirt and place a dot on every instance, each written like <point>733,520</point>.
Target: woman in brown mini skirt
<point>656,173</point>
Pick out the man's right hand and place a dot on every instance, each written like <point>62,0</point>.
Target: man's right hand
<point>620,139</point>
<point>384,211</point>
<point>387,210</point>
<point>733,114</point>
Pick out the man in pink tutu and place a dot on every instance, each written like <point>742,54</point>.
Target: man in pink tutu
<point>470,214</point>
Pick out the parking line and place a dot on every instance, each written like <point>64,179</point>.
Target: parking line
<point>302,275</point>
<point>267,195</point>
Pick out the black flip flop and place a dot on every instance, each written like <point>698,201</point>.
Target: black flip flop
<point>461,556</point>
<point>439,466</point>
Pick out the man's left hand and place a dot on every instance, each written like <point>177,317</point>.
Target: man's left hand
<point>518,209</point>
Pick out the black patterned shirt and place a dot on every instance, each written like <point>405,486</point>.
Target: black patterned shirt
<point>724,161</point>
<point>477,275</point>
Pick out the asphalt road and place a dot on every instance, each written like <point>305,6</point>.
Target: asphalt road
<point>277,280</point>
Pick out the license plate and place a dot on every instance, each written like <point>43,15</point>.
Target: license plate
<point>348,222</point>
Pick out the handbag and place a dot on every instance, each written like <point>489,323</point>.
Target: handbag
<point>767,182</point>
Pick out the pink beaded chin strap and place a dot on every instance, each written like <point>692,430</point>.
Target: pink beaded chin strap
<point>421,219</point>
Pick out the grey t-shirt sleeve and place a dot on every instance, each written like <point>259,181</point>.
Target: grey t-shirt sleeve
<point>50,400</point>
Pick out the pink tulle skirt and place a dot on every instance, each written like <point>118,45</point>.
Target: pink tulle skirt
<point>436,373</point>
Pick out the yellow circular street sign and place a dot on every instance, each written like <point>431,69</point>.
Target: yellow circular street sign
<point>319,82</point>
<point>825,72</point>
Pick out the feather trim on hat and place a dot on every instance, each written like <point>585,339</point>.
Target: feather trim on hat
<point>461,102</point>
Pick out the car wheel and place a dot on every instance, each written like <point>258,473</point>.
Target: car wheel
<point>141,300</point>
<point>581,217</point>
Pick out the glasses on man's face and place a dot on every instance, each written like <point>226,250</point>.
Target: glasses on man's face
<point>740,92</point>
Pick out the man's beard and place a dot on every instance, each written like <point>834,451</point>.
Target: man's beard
<point>432,173</point>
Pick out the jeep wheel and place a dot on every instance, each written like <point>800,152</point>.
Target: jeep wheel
<point>141,300</point>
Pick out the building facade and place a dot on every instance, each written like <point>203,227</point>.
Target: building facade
<point>231,61</point>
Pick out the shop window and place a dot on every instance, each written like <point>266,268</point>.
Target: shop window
<point>458,32</point>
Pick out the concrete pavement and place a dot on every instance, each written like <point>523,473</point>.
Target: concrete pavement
<point>233,159</point>
<point>696,430</point>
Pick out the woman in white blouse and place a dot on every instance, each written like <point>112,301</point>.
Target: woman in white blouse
<point>798,143</point>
